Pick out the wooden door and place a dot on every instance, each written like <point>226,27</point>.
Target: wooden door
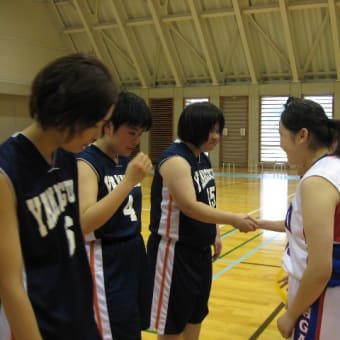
<point>161,133</point>
<point>234,143</point>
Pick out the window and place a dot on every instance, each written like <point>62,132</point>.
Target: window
<point>188,101</point>
<point>325,101</point>
<point>271,109</point>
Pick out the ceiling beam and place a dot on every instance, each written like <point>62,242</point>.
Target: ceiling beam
<point>167,43</point>
<point>289,40</point>
<point>96,42</point>
<point>263,8</point>
<point>176,17</point>
<point>230,54</point>
<point>316,41</point>
<point>204,41</point>
<point>244,40</point>
<point>335,35</point>
<point>62,22</point>
<point>188,44</point>
<point>101,37</point>
<point>157,61</point>
<point>139,21</point>
<point>114,44</point>
<point>84,18</point>
<point>222,12</point>
<point>298,5</point>
<point>269,41</point>
<point>307,4</point>
<point>108,25</point>
<point>131,44</point>
<point>219,13</point>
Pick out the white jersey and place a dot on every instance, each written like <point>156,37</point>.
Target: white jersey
<point>295,258</point>
<point>320,321</point>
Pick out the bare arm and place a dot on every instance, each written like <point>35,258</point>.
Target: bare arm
<point>95,213</point>
<point>13,295</point>
<point>319,198</point>
<point>271,225</point>
<point>218,244</point>
<point>176,174</point>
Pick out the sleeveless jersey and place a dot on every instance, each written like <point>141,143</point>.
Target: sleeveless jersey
<point>320,321</point>
<point>126,221</point>
<point>166,219</point>
<point>56,269</point>
<point>296,253</point>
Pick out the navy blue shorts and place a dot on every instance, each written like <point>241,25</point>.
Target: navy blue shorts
<point>181,284</point>
<point>122,287</point>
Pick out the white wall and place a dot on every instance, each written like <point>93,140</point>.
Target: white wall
<point>254,92</point>
<point>29,40</point>
<point>14,108</point>
<point>14,114</point>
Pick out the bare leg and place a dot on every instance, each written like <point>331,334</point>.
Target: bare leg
<point>170,337</point>
<point>192,331</point>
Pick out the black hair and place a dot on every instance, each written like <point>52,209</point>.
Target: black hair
<point>73,91</point>
<point>131,110</point>
<point>197,120</point>
<point>303,113</point>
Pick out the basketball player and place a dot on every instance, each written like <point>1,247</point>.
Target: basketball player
<point>312,223</point>
<point>45,280</point>
<point>183,225</point>
<point>111,205</point>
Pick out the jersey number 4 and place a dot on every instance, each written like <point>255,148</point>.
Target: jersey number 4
<point>128,209</point>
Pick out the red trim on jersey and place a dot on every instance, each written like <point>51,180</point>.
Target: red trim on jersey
<point>161,293</point>
<point>337,224</point>
<point>95,297</point>
<point>165,263</point>
<point>320,314</point>
<point>168,219</point>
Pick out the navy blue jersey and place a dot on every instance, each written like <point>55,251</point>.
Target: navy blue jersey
<point>166,219</point>
<point>126,221</point>
<point>58,279</point>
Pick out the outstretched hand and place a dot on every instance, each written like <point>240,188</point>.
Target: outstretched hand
<point>217,245</point>
<point>138,168</point>
<point>285,325</point>
<point>245,223</point>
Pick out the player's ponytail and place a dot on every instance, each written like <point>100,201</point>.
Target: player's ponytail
<point>303,113</point>
<point>334,131</point>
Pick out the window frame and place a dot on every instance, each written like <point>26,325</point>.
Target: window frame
<point>275,144</point>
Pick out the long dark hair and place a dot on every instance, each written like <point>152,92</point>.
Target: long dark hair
<point>303,113</point>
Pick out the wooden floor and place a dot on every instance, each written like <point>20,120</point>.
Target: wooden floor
<point>244,302</point>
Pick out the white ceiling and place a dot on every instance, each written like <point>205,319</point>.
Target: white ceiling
<point>177,43</point>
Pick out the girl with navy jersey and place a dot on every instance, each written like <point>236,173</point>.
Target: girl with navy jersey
<point>111,203</point>
<point>183,225</point>
<point>312,224</point>
<point>45,282</point>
